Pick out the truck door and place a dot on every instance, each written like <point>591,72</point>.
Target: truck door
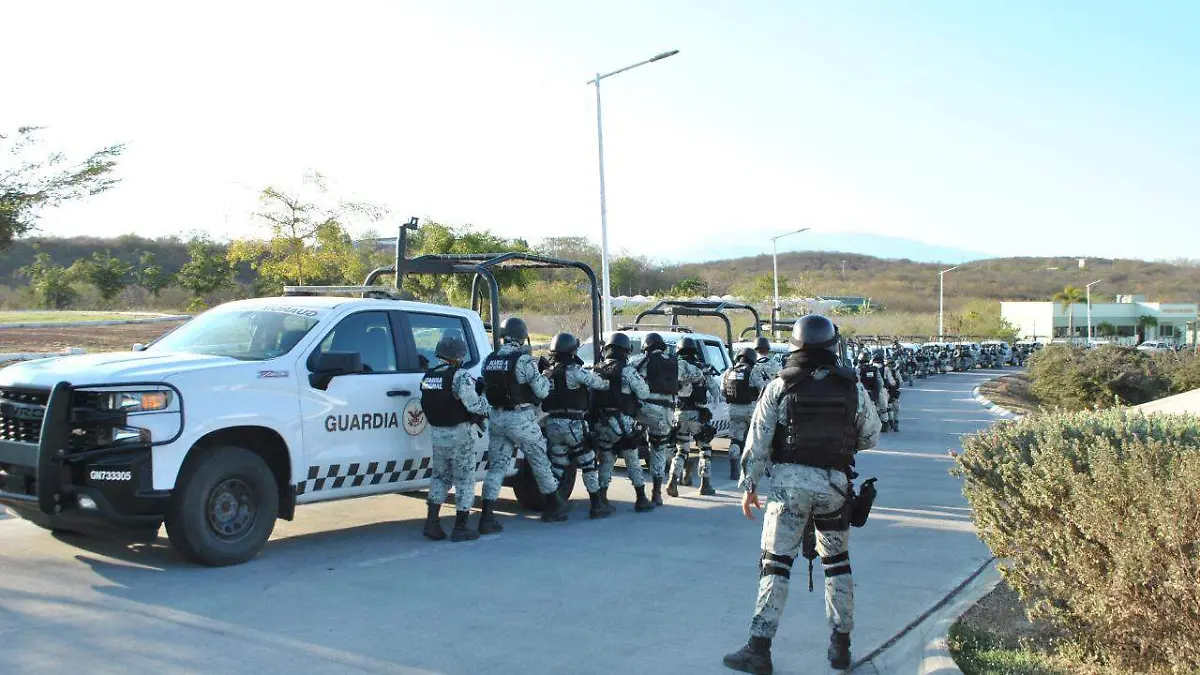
<point>355,438</point>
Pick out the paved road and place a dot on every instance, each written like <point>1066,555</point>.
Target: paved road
<point>352,587</point>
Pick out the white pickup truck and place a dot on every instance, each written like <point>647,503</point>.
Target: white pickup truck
<point>230,421</point>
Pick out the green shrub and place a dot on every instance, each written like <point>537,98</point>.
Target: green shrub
<point>1072,378</point>
<point>1098,516</point>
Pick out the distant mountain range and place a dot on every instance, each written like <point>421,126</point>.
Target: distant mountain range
<point>879,246</point>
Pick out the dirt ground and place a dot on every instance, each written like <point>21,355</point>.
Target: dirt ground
<point>90,338</point>
<point>1011,392</point>
<point>1001,613</point>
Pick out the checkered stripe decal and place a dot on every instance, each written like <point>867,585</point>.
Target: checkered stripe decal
<point>338,476</point>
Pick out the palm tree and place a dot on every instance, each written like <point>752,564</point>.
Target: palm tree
<point>1068,297</point>
<point>1144,321</point>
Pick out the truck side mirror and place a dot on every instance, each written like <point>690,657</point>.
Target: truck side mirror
<point>139,347</point>
<point>332,364</point>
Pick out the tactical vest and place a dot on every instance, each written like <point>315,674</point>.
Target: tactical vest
<point>614,399</point>
<point>818,427</point>
<point>699,395</point>
<point>563,399</point>
<point>661,373</point>
<point>736,385</point>
<point>871,381</point>
<point>442,407</point>
<point>500,377</point>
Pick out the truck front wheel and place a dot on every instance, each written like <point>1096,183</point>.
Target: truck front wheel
<point>224,506</point>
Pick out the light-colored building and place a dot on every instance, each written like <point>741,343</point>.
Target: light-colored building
<point>1175,321</point>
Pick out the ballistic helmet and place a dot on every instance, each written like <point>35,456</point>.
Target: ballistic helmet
<point>653,343</point>
<point>620,341</point>
<point>762,345</point>
<point>565,344</point>
<point>747,355</point>
<point>451,348</point>
<point>814,332</point>
<point>686,346</point>
<point>514,329</point>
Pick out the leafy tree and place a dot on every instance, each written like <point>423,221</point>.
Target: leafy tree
<point>623,274</point>
<point>436,238</point>
<point>50,284</point>
<point>308,241</point>
<point>106,273</point>
<point>30,184</point>
<point>981,318</point>
<point>690,286</point>
<point>150,276</point>
<point>207,271</point>
<point>1105,329</point>
<point>1067,298</point>
<point>1144,321</point>
<point>762,289</point>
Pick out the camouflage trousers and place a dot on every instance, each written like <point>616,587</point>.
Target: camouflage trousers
<point>739,426</point>
<point>454,464</point>
<point>568,443</point>
<point>659,421</point>
<point>788,509</point>
<point>615,436</point>
<point>687,427</point>
<point>883,403</point>
<point>510,429</point>
<point>894,409</point>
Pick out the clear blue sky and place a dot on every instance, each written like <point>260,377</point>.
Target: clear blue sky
<point>1015,127</point>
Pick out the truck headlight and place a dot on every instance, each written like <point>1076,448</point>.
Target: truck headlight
<point>136,401</point>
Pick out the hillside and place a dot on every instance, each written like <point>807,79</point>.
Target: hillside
<point>899,284</point>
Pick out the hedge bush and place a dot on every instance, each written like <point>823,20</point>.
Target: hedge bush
<point>1073,378</point>
<point>1098,516</point>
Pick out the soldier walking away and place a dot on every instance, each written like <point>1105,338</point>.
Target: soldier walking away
<point>872,381</point>
<point>514,387</point>
<point>892,380</point>
<point>807,427</point>
<point>567,407</point>
<point>741,385</point>
<point>890,384</point>
<point>663,374</point>
<point>771,365</point>
<point>615,407</point>
<point>692,415</point>
<point>455,411</point>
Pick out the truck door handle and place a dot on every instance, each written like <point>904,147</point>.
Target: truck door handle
<point>399,392</point>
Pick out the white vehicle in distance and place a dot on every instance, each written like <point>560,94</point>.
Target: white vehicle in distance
<point>230,421</point>
<point>779,350</point>
<point>1156,346</point>
<point>712,353</point>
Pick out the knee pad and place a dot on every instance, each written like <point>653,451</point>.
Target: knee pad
<point>836,565</point>
<point>771,564</point>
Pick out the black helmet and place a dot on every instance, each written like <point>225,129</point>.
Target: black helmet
<point>863,357</point>
<point>878,358</point>
<point>451,348</point>
<point>762,344</point>
<point>686,345</point>
<point>814,332</point>
<point>748,355</point>
<point>654,342</point>
<point>565,344</point>
<point>620,341</point>
<point>514,329</point>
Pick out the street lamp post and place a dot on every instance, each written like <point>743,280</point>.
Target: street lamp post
<point>606,294</point>
<point>775,269</point>
<point>942,301</point>
<point>1089,308</point>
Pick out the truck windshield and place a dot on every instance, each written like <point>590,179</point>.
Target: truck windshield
<point>248,335</point>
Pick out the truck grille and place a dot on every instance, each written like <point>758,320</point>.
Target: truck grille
<point>21,412</point>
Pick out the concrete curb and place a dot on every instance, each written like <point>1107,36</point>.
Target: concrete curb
<point>992,407</point>
<point>157,318</point>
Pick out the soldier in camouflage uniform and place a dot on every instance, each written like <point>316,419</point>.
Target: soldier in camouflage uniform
<point>742,385</point>
<point>567,407</point>
<point>455,411</point>
<point>871,379</point>
<point>807,427</point>
<point>693,420</point>
<point>615,407</point>
<point>514,387</point>
<point>663,374</point>
<point>769,362</point>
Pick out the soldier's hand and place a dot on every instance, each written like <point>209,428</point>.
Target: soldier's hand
<point>750,499</point>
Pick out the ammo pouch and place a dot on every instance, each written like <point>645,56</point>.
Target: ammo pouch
<point>705,414</point>
<point>858,507</point>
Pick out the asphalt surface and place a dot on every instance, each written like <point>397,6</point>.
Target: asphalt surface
<point>352,587</point>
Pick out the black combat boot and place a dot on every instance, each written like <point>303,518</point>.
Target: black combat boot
<point>735,468</point>
<point>839,650</point>
<point>462,530</point>
<point>672,486</point>
<point>599,508</point>
<point>689,470</point>
<point>604,498</point>
<point>656,495</point>
<point>487,520</point>
<point>554,507</point>
<point>642,505</point>
<point>896,426</point>
<point>754,658</point>
<point>706,487</point>
<point>433,529</point>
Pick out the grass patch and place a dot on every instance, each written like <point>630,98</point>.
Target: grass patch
<point>1011,392</point>
<point>60,317</point>
<point>981,652</point>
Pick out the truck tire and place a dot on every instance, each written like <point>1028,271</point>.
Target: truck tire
<point>224,506</point>
<point>525,486</point>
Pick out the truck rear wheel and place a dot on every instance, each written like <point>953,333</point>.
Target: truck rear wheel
<point>526,489</point>
<point>224,506</point>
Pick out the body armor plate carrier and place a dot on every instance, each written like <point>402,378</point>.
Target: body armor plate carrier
<point>500,376</point>
<point>736,385</point>
<point>563,399</point>
<point>661,373</point>
<point>871,380</point>
<point>613,399</point>
<point>442,408</point>
<point>819,427</point>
